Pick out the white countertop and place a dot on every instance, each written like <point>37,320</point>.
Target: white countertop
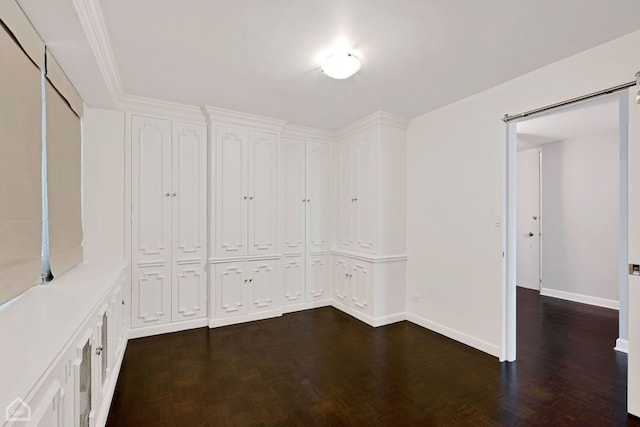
<point>38,325</point>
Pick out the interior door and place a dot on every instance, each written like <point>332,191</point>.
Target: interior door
<point>633,375</point>
<point>528,220</point>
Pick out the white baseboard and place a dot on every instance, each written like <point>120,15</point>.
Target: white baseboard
<point>584,299</point>
<point>305,306</point>
<point>148,331</point>
<point>369,320</point>
<point>110,387</point>
<point>456,335</point>
<point>622,346</point>
<point>216,323</point>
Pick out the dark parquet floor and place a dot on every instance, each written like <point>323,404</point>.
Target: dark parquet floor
<point>322,367</point>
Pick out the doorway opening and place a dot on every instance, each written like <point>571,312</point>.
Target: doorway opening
<point>566,208</point>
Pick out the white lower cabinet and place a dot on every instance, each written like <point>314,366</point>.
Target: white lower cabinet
<point>371,290</point>
<point>77,388</point>
<point>317,277</point>
<point>352,283</point>
<point>293,281</point>
<point>246,287</point>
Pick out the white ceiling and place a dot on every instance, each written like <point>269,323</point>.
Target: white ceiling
<point>569,123</point>
<point>262,57</point>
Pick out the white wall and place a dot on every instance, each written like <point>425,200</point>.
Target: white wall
<point>581,214</point>
<point>454,190</point>
<point>103,184</point>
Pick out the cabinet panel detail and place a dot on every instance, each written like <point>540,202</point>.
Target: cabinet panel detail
<point>317,277</point>
<point>151,182</point>
<point>293,280</point>
<point>341,280</point>
<point>190,189</point>
<point>231,295</point>
<point>151,297</point>
<point>232,192</point>
<point>263,285</point>
<point>189,300</point>
<point>263,224</point>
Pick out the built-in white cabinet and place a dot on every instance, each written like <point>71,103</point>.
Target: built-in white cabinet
<point>358,165</point>
<point>76,389</point>
<point>169,220</point>
<point>304,218</point>
<point>353,281</point>
<point>246,192</point>
<point>246,287</point>
<point>369,255</point>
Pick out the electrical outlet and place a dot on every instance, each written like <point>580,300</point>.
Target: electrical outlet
<point>415,297</point>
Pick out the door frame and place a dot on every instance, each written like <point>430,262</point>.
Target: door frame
<point>509,215</point>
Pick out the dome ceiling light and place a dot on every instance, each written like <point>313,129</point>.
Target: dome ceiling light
<point>341,65</point>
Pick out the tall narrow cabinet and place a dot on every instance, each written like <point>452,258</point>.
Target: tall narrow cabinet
<point>304,219</point>
<point>369,255</point>
<point>244,256</point>
<point>168,221</point>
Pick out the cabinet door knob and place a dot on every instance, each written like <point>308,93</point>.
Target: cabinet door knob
<point>173,195</point>
<point>250,280</point>
<point>251,198</point>
<point>167,195</point>
<point>245,197</point>
<point>245,280</point>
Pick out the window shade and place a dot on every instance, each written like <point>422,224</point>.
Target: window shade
<point>20,164</point>
<point>64,182</point>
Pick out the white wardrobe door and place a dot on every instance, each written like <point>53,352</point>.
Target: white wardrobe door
<point>231,191</point>
<point>366,213</point>
<point>292,195</point>
<point>317,177</point>
<point>189,200</point>
<point>151,221</point>
<point>263,285</point>
<point>263,233</point>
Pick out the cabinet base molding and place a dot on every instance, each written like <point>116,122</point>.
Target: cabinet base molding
<point>455,335</point>
<point>110,387</point>
<point>167,328</point>
<point>305,306</point>
<point>369,320</point>
<point>216,323</point>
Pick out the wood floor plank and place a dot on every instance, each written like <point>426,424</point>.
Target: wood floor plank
<point>323,367</point>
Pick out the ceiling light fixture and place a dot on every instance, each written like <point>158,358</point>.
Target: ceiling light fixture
<point>341,65</point>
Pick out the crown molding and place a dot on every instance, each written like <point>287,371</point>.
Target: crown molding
<point>95,29</point>
<point>303,132</point>
<point>379,118</point>
<point>222,115</point>
<point>140,104</point>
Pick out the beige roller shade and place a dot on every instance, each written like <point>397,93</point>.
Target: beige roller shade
<point>20,166</point>
<point>63,85</point>
<point>63,182</point>
<point>17,22</point>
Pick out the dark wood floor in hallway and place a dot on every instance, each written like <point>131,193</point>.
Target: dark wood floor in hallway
<point>323,367</point>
